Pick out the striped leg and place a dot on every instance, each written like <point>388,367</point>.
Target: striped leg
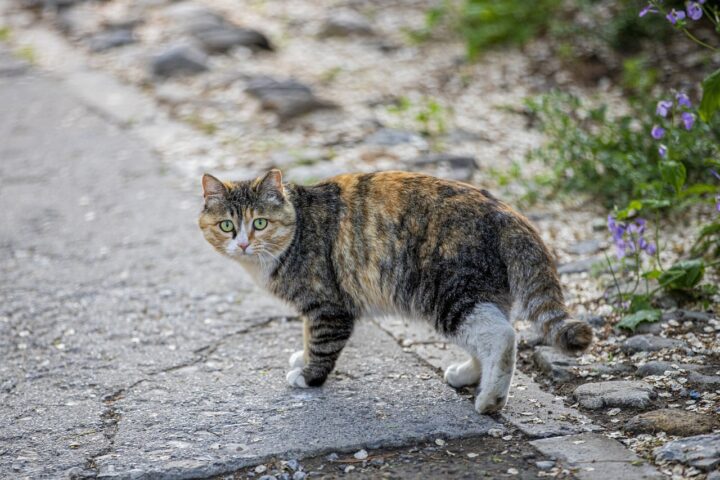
<point>325,337</point>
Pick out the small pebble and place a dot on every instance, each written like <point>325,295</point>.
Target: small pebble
<point>293,464</point>
<point>333,457</point>
<point>299,475</point>
<point>260,469</point>
<point>495,432</point>
<point>361,454</point>
<point>512,471</point>
<point>472,455</point>
<point>349,469</point>
<point>439,442</point>
<point>545,464</point>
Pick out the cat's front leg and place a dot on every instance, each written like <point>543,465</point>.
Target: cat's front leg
<point>300,358</point>
<point>326,334</point>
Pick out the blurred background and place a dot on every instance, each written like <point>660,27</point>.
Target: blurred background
<point>596,118</point>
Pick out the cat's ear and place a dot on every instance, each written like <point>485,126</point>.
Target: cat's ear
<point>270,187</point>
<point>212,188</point>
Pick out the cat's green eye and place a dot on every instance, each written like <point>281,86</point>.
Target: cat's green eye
<point>227,226</point>
<point>259,223</point>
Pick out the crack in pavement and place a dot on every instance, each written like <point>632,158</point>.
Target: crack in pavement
<point>111,416</point>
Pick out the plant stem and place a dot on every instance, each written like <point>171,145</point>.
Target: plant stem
<point>698,41</point>
<point>612,271</point>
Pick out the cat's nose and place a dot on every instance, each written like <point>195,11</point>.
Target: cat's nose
<point>243,245</point>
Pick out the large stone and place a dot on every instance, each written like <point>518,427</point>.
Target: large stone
<point>580,266</point>
<point>344,23</point>
<point>649,343</point>
<point>110,39</point>
<point>617,393</point>
<point>179,60</point>
<point>659,367</point>
<point>226,37</point>
<point>287,98</point>
<point>456,167</point>
<point>563,368</point>
<point>671,421</point>
<point>594,456</point>
<point>554,364</point>
<point>585,247</point>
<point>704,382</point>
<point>389,137</point>
<point>701,451</point>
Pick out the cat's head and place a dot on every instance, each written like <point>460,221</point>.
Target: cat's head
<point>251,221</point>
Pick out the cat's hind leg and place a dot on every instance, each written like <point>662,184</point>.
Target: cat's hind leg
<point>489,337</point>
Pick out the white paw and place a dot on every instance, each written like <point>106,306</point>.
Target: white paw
<point>295,378</point>
<point>462,374</point>
<point>490,403</point>
<point>297,359</point>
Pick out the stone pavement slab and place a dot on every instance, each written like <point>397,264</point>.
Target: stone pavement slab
<point>235,408</point>
<point>597,457</point>
<point>536,413</point>
<point>129,348</point>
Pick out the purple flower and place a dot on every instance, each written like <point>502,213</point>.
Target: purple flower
<point>694,10</point>
<point>662,151</point>
<point>683,100</point>
<point>675,15</point>
<point>717,203</point>
<point>646,246</point>
<point>715,174</point>
<point>657,132</point>
<point>688,120</point>
<point>650,8</point>
<point>628,238</point>
<point>663,107</point>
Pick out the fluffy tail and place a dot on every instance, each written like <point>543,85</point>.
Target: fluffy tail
<point>536,289</point>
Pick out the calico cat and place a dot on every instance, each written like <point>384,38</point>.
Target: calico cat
<point>395,242</point>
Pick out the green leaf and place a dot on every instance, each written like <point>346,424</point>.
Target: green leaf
<point>632,208</point>
<point>710,102</point>
<point>673,173</point>
<point>631,322</point>
<point>683,275</point>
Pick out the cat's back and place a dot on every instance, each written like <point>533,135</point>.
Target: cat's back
<point>399,227</point>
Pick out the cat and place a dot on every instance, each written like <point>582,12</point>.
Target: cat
<point>395,242</point>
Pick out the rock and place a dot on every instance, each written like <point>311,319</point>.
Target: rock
<point>460,167</point>
<point>660,367</point>
<point>293,464</point>
<point>554,364</point>
<point>684,315</point>
<point>704,382</point>
<point>225,37</point>
<point>212,32</point>
<point>361,454</point>
<point>586,247</point>
<point>649,343</point>
<point>618,393</point>
<point>332,457</point>
<point>345,23</point>
<point>299,476</point>
<point>110,39</point>
<point>596,321</point>
<point>287,98</point>
<point>671,421</point>
<point>389,137</point>
<point>179,60</point>
<point>701,451</point>
<point>579,266</point>
<point>654,328</point>
<point>545,464</point>
<point>563,368</point>
<point>714,475</point>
